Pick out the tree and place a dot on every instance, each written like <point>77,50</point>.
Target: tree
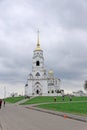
<point>85,86</point>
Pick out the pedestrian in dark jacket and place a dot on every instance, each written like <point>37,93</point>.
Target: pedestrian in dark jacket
<point>4,103</point>
<point>0,103</point>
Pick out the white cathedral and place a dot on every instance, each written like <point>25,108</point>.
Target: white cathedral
<point>39,82</point>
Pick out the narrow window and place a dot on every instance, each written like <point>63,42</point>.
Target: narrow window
<point>37,63</point>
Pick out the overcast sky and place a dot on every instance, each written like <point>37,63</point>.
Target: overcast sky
<point>63,38</point>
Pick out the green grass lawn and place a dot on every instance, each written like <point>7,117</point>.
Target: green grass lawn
<point>69,107</point>
<point>39,99</point>
<point>45,99</point>
<point>14,99</point>
<point>79,107</point>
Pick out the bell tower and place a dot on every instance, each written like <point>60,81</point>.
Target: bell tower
<point>38,60</point>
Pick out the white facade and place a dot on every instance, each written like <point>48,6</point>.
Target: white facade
<point>38,82</point>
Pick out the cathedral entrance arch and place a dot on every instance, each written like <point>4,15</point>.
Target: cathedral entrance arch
<point>37,89</point>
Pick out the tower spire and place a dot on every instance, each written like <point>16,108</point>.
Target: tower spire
<point>38,41</point>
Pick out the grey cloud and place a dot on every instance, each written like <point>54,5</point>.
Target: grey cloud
<point>63,37</point>
<point>69,14</point>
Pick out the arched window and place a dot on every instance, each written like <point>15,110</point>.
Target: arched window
<point>37,63</point>
<point>52,91</point>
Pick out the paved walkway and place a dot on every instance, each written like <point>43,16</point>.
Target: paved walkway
<point>62,114</point>
<point>15,117</point>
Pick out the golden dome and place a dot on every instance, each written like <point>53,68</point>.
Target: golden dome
<point>50,72</point>
<point>38,47</point>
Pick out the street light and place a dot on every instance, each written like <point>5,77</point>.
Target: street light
<point>4,92</point>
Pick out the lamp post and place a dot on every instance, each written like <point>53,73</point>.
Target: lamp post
<point>4,92</point>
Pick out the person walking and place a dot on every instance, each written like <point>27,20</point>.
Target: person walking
<point>63,97</point>
<point>54,99</point>
<point>4,103</point>
<point>0,103</point>
<point>70,98</point>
